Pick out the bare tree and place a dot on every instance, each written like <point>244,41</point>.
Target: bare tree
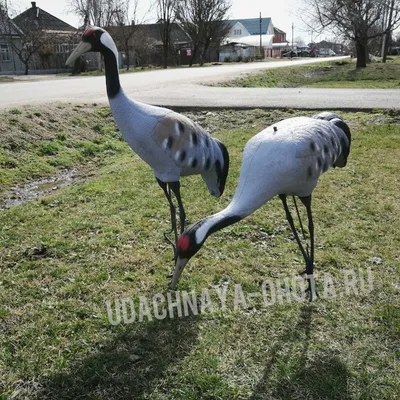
<point>357,20</point>
<point>144,46</point>
<point>126,27</point>
<point>166,17</point>
<point>96,12</point>
<point>205,23</point>
<point>387,20</point>
<point>299,41</point>
<point>24,37</point>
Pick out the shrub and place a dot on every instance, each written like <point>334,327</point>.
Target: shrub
<point>48,149</point>
<point>15,111</point>
<point>61,136</point>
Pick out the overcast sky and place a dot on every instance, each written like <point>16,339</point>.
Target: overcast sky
<point>282,12</point>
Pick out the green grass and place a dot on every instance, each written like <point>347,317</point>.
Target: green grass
<point>63,255</point>
<point>338,74</point>
<point>38,143</point>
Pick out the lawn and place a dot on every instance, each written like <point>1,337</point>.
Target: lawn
<point>337,74</point>
<point>63,255</point>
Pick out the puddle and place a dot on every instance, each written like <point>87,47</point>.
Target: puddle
<point>21,194</point>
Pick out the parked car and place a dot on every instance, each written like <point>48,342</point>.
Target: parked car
<point>290,54</point>
<point>304,53</point>
<point>326,52</point>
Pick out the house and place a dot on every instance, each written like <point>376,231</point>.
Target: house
<point>279,43</point>
<point>324,46</point>
<point>56,37</point>
<point>9,33</point>
<point>145,46</point>
<point>249,39</point>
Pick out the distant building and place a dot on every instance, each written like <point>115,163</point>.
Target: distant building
<point>145,44</point>
<point>279,43</point>
<point>246,37</point>
<point>324,46</point>
<point>60,38</point>
<point>9,32</point>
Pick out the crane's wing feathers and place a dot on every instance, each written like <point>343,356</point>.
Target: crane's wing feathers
<point>188,144</point>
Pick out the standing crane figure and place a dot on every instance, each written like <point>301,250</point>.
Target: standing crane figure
<point>169,142</point>
<point>284,159</point>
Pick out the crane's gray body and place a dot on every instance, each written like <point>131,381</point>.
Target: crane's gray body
<point>287,158</point>
<point>169,142</point>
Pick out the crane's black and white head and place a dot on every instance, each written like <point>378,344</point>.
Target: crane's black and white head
<point>215,178</point>
<point>189,243</point>
<point>338,121</point>
<point>94,39</point>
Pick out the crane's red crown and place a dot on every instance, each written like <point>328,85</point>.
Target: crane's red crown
<point>184,243</point>
<point>88,32</point>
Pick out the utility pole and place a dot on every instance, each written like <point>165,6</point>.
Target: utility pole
<point>261,49</point>
<point>292,34</point>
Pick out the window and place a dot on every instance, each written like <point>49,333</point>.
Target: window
<point>237,32</point>
<point>63,48</point>
<point>4,53</point>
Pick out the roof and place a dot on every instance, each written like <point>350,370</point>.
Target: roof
<point>252,24</point>
<point>178,35</point>
<point>153,31</point>
<point>277,30</point>
<point>252,40</point>
<point>7,26</point>
<point>36,17</point>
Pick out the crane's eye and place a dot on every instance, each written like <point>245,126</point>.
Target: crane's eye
<point>183,243</point>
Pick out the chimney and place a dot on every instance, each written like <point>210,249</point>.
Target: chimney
<point>33,4</point>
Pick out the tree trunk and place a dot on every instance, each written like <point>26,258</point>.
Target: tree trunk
<point>201,61</point>
<point>194,53</point>
<point>165,57</point>
<point>362,53</point>
<point>386,42</point>
<point>127,59</point>
<point>26,69</point>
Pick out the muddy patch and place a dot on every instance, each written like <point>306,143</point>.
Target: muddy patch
<point>21,194</point>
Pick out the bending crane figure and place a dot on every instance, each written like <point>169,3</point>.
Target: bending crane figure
<point>284,159</point>
<point>169,142</point>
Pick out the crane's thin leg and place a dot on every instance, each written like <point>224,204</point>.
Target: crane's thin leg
<point>167,192</point>
<point>292,227</point>
<point>176,188</point>
<point>310,263</point>
<point>298,216</point>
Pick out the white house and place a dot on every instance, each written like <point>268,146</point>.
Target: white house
<point>246,37</point>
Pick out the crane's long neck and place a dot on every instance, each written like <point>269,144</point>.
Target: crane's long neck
<point>111,67</point>
<point>229,216</point>
<point>249,196</point>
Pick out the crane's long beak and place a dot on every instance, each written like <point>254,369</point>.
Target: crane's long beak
<point>179,265</point>
<point>79,50</point>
